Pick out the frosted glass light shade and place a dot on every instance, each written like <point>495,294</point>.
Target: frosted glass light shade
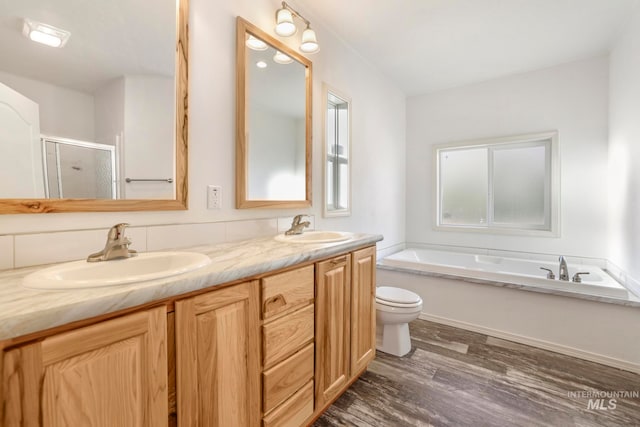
<point>281,58</point>
<point>284,23</point>
<point>256,44</point>
<point>309,41</point>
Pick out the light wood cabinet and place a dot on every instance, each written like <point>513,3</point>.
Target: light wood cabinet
<point>363,309</point>
<point>333,312</point>
<point>295,411</point>
<point>113,373</point>
<point>288,347</point>
<point>286,291</point>
<point>275,350</point>
<point>218,357</point>
<point>345,321</point>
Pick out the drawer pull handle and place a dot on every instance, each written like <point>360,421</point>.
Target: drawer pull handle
<point>274,302</point>
<point>340,260</point>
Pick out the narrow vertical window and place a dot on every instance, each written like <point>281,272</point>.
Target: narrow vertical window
<point>337,154</point>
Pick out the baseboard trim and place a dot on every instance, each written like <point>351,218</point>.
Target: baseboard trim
<point>545,345</point>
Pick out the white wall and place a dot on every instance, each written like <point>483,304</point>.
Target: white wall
<point>570,98</point>
<point>378,133</point>
<point>273,156</point>
<point>624,150</point>
<point>149,135</point>
<point>109,111</point>
<point>63,112</point>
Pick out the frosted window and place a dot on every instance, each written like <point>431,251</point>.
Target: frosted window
<point>464,190</point>
<point>520,185</point>
<point>508,184</point>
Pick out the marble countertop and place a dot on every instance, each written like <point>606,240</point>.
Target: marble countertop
<point>24,311</point>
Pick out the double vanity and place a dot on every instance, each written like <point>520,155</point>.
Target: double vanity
<point>265,332</point>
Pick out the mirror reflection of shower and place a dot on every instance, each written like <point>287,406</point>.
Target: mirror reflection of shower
<point>79,169</point>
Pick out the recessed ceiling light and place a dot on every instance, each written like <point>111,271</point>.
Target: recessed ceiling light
<point>44,33</point>
<point>261,64</point>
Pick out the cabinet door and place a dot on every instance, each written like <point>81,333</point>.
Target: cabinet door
<point>333,293</point>
<point>363,311</point>
<point>218,357</point>
<point>113,373</point>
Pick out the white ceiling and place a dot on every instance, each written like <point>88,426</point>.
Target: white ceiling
<point>109,39</point>
<point>422,45</point>
<point>428,45</point>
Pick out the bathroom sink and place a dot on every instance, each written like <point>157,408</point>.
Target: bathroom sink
<point>144,266</point>
<point>315,237</point>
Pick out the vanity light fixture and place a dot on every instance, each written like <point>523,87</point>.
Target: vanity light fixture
<point>281,58</point>
<point>286,27</point>
<point>284,22</point>
<point>44,33</point>
<point>255,43</point>
<point>309,41</point>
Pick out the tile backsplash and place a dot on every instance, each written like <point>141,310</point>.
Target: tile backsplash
<point>23,250</point>
<point>6,252</point>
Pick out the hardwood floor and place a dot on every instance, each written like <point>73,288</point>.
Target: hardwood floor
<point>453,377</point>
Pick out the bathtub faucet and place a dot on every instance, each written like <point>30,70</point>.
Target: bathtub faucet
<point>563,274</point>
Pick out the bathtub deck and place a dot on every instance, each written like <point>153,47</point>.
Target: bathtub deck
<point>454,377</point>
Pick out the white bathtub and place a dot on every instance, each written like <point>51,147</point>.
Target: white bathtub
<point>517,271</point>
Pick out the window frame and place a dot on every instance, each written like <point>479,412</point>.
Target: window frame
<point>552,185</point>
<point>330,209</point>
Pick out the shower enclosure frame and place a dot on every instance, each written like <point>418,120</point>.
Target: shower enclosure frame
<point>111,149</point>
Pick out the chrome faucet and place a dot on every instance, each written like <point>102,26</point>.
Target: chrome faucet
<point>563,274</point>
<point>117,246</point>
<point>297,227</point>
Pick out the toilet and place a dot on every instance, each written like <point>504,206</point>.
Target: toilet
<point>395,308</point>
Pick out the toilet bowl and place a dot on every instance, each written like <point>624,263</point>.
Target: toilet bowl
<point>395,308</point>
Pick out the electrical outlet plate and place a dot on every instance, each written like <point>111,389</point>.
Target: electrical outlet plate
<point>214,197</point>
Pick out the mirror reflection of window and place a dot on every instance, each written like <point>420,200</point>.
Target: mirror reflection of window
<point>501,184</point>
<point>337,140</point>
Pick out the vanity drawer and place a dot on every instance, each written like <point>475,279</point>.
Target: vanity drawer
<point>286,290</point>
<point>287,334</point>
<point>294,412</point>
<point>287,377</point>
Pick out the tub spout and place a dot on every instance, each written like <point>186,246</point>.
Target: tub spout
<point>563,274</point>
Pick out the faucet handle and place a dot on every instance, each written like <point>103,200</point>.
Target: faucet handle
<point>116,233</point>
<point>298,218</point>
<point>550,274</point>
<point>576,277</point>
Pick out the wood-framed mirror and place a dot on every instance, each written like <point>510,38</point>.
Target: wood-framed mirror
<point>120,80</point>
<point>273,119</point>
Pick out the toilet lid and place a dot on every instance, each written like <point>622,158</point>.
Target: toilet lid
<point>396,295</point>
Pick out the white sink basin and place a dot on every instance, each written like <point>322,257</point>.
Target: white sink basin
<point>144,266</point>
<point>315,237</point>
